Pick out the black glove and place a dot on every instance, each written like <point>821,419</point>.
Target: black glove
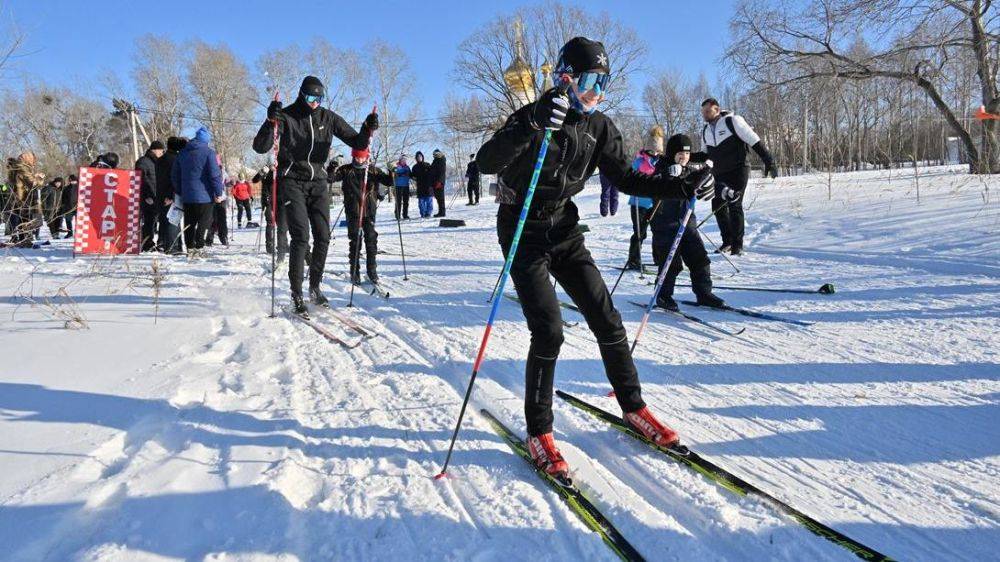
<point>274,110</point>
<point>726,193</point>
<point>550,110</point>
<point>770,170</point>
<point>371,122</point>
<point>700,184</point>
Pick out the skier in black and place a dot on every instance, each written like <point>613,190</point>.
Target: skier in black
<point>475,178</point>
<point>352,177</point>
<point>307,132</point>
<point>726,137</point>
<point>439,176</point>
<point>552,244</point>
<point>665,224</point>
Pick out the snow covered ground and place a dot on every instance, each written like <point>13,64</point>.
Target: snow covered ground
<point>191,426</point>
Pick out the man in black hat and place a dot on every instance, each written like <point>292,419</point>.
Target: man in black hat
<point>472,172</point>
<point>306,134</point>
<point>149,205</point>
<point>551,244</point>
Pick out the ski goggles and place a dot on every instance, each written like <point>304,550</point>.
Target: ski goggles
<point>586,81</point>
<point>312,99</point>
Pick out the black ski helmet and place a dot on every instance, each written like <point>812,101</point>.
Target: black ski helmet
<point>312,86</point>
<point>580,54</point>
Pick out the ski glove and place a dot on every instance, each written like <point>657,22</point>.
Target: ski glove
<point>770,170</point>
<point>274,110</point>
<point>700,183</point>
<point>550,111</point>
<point>371,122</point>
<point>726,193</point>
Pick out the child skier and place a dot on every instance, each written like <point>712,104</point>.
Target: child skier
<point>353,185</point>
<point>551,243</point>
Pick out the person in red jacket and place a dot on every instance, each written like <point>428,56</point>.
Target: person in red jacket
<point>243,197</point>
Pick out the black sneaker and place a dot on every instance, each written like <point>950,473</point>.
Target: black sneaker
<point>667,303</point>
<point>299,306</point>
<point>736,251</point>
<point>710,300</point>
<point>318,298</point>
<point>633,266</point>
<point>373,277</point>
<point>725,249</point>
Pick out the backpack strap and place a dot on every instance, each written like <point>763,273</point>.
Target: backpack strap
<point>729,124</point>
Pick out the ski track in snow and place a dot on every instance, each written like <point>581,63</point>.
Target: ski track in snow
<point>219,433</point>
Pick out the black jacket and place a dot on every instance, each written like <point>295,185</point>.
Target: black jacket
<point>306,137</point>
<point>584,143</point>
<point>266,186</point>
<point>421,173</point>
<point>439,171</point>
<point>472,172</point>
<point>147,165</point>
<point>351,179</point>
<point>164,186</point>
<point>70,196</point>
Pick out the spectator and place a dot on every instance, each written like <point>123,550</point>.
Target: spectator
<point>69,201</point>
<point>169,237</point>
<point>219,223</point>
<point>52,206</point>
<point>197,180</point>
<point>24,183</point>
<point>421,172</point>
<point>243,197</point>
<point>439,175</point>
<point>642,207</point>
<point>472,172</point>
<point>609,196</point>
<point>149,205</point>
<point>402,176</point>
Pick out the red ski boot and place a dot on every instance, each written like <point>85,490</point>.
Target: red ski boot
<point>546,456</point>
<point>645,422</point>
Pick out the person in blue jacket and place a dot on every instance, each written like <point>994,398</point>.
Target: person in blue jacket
<point>197,180</point>
<point>641,207</point>
<point>401,175</point>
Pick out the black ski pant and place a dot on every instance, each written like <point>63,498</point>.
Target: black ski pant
<point>439,195</point>
<point>282,231</point>
<point>218,225</point>
<point>148,217</point>
<point>640,226</point>
<point>351,209</point>
<point>242,206</point>
<point>197,221</point>
<point>402,203</point>
<point>473,190</point>
<point>691,253</point>
<point>307,208</point>
<point>552,245</point>
<point>730,215</point>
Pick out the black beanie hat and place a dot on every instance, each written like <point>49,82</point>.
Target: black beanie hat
<point>580,54</point>
<point>675,144</point>
<point>156,145</point>
<point>175,143</point>
<point>312,86</point>
<point>72,177</point>
<point>111,159</point>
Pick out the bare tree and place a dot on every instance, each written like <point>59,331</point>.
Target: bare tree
<point>390,83</point>
<point>223,98</point>
<point>158,75</point>
<point>488,51</point>
<point>918,39</point>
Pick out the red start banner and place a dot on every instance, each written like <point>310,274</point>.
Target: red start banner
<point>107,212</point>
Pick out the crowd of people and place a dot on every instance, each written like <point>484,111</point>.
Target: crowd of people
<point>184,189</point>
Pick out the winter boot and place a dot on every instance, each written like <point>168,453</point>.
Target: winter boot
<point>318,298</point>
<point>546,456</point>
<point>645,422</point>
<point>299,305</point>
<point>701,284</point>
<point>724,249</point>
<point>667,302</point>
<point>355,277</point>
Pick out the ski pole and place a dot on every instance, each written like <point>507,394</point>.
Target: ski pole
<point>361,222</point>
<point>622,272</point>
<point>721,253</point>
<point>502,283</point>
<point>274,204</point>
<point>334,224</point>
<point>663,272</point>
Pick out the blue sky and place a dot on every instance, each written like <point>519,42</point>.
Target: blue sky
<point>73,42</point>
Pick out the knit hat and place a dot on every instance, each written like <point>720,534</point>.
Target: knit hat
<point>677,143</point>
<point>437,153</point>
<point>175,143</point>
<point>312,86</point>
<point>156,145</point>
<point>203,135</point>
<point>580,54</point>
<point>654,140</point>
